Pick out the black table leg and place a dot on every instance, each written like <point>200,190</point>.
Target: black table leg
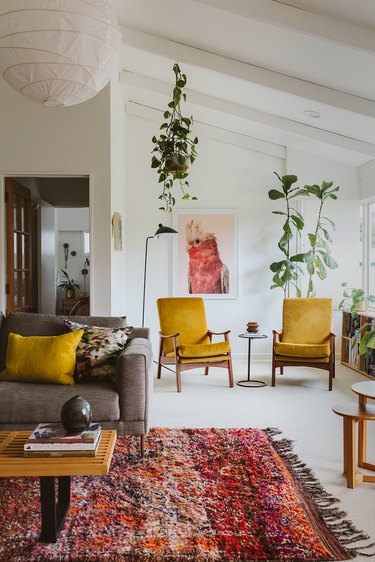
<point>250,382</point>
<point>53,513</point>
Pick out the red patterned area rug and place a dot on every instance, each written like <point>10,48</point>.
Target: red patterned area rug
<point>199,494</point>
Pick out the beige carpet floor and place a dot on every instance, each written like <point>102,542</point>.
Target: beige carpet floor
<point>300,406</point>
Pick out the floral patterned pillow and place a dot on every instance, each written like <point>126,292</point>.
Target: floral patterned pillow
<point>97,351</point>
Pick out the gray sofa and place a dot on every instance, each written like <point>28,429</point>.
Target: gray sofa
<point>123,405</point>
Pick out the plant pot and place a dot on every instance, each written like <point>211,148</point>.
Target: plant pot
<point>361,306</point>
<point>176,166</point>
<point>70,293</point>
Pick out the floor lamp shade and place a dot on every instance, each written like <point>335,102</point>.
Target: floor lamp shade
<point>58,53</point>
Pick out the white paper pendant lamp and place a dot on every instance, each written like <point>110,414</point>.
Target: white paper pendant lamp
<point>58,52</point>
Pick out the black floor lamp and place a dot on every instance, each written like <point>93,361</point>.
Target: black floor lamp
<point>162,230</point>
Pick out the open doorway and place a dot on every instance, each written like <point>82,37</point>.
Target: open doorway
<point>58,241</point>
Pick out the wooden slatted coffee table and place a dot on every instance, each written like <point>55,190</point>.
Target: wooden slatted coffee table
<point>13,463</point>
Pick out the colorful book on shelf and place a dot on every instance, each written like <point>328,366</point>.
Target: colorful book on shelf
<point>55,433</point>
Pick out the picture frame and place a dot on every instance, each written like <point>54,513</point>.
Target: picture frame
<point>205,253</point>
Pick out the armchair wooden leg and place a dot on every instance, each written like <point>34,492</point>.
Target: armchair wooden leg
<point>159,370</point>
<point>178,378</point>
<point>206,371</point>
<point>230,373</point>
<point>330,379</point>
<point>273,372</point>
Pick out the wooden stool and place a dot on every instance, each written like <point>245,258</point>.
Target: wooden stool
<point>353,413</point>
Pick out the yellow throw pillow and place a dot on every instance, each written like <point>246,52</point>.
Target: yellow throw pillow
<point>44,359</point>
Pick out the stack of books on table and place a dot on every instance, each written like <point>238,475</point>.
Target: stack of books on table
<point>52,440</point>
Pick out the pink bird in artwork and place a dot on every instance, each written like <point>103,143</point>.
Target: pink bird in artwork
<point>207,273</point>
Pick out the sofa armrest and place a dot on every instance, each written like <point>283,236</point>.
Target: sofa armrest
<point>140,333</point>
<point>134,382</point>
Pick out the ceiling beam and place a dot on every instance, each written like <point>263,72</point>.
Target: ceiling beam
<point>229,137</point>
<point>173,51</point>
<point>297,19</point>
<point>249,114</point>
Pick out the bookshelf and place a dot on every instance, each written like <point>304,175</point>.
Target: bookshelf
<point>350,342</point>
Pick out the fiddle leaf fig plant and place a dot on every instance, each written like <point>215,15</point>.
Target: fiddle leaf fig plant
<point>286,270</point>
<point>319,258</point>
<point>175,149</point>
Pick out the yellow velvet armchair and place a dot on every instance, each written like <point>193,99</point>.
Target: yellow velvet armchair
<point>185,340</point>
<point>306,338</point>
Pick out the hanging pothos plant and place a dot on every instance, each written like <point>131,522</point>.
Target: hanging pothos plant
<point>318,258</point>
<point>174,150</point>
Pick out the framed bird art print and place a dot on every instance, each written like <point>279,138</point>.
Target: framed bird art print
<point>205,253</point>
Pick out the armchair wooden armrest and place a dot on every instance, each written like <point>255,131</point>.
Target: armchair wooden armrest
<point>167,336</point>
<point>225,334</point>
<point>277,335</point>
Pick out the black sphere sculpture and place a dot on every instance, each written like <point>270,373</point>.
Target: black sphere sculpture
<point>76,415</point>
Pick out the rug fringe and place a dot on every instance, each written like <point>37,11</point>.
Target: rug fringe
<point>335,519</point>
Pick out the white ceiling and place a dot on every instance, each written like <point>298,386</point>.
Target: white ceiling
<point>255,66</point>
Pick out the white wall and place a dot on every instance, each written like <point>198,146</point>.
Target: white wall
<point>118,129</point>
<point>37,140</point>
<point>224,176</point>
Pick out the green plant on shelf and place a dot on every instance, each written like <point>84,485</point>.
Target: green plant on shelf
<point>354,300</point>
<point>367,343</point>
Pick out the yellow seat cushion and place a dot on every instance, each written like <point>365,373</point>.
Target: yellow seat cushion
<point>41,359</point>
<point>302,350</point>
<point>299,360</point>
<point>213,359</point>
<point>202,351</point>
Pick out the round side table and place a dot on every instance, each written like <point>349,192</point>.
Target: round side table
<point>249,382</point>
<point>365,391</point>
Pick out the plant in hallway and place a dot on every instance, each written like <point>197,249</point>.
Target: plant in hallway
<point>68,285</point>
<point>174,150</point>
<point>354,299</point>
<point>286,271</point>
<point>318,258</point>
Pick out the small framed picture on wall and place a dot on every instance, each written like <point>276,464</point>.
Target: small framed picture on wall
<point>205,253</point>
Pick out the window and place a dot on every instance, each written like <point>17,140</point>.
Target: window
<point>371,265</point>
<point>368,245</point>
